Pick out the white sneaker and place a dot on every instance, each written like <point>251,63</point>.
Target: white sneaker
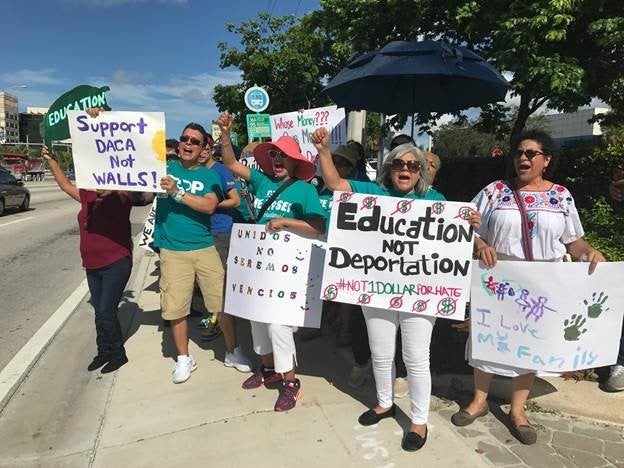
<point>183,368</point>
<point>359,375</point>
<point>238,360</point>
<point>401,389</point>
<point>616,379</point>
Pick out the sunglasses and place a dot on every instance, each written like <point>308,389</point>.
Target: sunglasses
<point>341,162</point>
<point>530,154</point>
<point>399,165</point>
<point>192,140</point>
<point>276,154</point>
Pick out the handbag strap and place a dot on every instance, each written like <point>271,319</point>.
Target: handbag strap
<point>273,197</point>
<point>527,246</point>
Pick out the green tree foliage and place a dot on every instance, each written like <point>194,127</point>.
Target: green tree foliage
<point>455,141</point>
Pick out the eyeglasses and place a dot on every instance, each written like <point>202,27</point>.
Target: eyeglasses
<point>399,165</point>
<point>530,154</point>
<point>276,154</point>
<point>192,140</point>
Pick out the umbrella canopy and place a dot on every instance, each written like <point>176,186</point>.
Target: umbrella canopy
<point>416,77</point>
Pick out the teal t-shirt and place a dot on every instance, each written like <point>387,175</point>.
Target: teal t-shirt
<point>373,188</point>
<point>298,201</point>
<point>179,227</point>
<point>326,196</point>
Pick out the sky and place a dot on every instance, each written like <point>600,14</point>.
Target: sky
<point>155,55</point>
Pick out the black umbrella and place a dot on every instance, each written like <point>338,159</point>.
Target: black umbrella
<point>417,77</point>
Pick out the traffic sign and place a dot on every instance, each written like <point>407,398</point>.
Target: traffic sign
<point>258,126</point>
<point>256,99</point>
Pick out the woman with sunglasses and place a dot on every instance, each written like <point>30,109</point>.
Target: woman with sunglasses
<point>296,208</point>
<point>554,228</point>
<point>404,175</point>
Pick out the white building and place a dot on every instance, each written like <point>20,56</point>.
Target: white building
<point>9,120</point>
<point>574,126</point>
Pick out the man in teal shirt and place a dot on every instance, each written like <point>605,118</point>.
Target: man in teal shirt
<point>186,246</point>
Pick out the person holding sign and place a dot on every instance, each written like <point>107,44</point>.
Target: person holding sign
<point>186,245</point>
<point>402,175</point>
<point>106,251</point>
<point>526,218</point>
<point>283,201</point>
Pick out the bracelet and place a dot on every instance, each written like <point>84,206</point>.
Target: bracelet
<point>179,195</point>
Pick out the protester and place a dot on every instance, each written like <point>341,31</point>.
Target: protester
<point>221,227</point>
<point>400,139</point>
<point>171,146</point>
<point>106,251</point>
<point>187,250</point>
<point>400,176</point>
<point>433,164</point>
<point>555,229</point>
<point>284,201</point>
<point>615,382</point>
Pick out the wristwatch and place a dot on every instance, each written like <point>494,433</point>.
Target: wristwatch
<point>179,194</point>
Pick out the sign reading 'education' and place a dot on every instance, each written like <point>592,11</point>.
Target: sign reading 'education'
<point>395,253</point>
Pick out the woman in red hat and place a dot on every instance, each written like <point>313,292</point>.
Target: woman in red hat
<point>296,208</point>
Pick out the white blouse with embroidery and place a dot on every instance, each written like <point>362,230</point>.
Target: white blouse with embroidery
<point>552,217</point>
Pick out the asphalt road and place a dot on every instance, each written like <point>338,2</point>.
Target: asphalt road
<point>40,263</point>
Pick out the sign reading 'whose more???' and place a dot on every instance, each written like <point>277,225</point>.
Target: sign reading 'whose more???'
<point>395,253</point>
<point>119,150</point>
<point>301,125</point>
<point>547,316</point>
<point>274,277</point>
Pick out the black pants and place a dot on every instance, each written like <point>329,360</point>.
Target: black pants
<point>106,286</point>
<point>361,349</point>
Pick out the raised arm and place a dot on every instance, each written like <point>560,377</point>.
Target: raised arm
<point>333,181</point>
<point>60,177</point>
<point>227,152</point>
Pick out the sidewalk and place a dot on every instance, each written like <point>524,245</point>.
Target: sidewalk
<point>209,419</point>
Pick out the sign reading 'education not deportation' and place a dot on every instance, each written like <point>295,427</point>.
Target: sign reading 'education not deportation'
<point>395,253</point>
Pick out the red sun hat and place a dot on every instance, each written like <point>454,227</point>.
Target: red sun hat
<point>305,169</point>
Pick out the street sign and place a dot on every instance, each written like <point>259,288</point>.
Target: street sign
<point>258,126</point>
<point>256,99</point>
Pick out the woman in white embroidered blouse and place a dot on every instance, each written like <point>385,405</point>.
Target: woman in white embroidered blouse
<point>554,230</point>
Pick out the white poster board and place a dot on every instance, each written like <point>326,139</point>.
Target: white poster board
<point>401,254</point>
<point>274,277</point>
<point>118,150</point>
<point>301,125</point>
<point>147,235</point>
<point>547,316</point>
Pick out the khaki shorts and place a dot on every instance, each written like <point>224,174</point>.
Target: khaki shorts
<point>178,270</point>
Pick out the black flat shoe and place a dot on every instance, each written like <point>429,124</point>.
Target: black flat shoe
<point>113,365</point>
<point>369,417</point>
<point>98,361</point>
<point>413,441</point>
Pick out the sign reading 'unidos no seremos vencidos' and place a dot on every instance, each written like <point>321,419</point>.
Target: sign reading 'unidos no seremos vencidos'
<point>118,150</point>
<point>401,254</point>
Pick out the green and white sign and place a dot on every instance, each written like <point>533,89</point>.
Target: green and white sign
<point>258,126</point>
<point>79,98</point>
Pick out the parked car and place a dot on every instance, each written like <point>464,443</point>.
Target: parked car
<point>13,194</point>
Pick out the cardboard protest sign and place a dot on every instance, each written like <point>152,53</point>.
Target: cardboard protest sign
<point>547,316</point>
<point>401,254</point>
<point>119,150</point>
<point>300,126</point>
<point>274,277</point>
<point>55,126</point>
<point>147,235</point>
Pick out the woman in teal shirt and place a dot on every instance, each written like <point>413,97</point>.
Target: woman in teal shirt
<point>403,175</point>
<point>298,209</point>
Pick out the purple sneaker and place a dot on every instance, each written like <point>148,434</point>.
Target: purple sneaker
<point>289,394</point>
<point>262,377</point>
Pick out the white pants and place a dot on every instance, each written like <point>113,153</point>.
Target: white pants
<point>416,336</point>
<point>277,339</point>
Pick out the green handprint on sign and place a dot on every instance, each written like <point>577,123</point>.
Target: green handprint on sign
<point>572,331</point>
<point>595,308</point>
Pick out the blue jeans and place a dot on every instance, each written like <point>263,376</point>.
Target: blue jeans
<point>106,286</point>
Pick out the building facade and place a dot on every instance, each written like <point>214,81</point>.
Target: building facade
<point>31,125</point>
<point>575,125</point>
<point>9,118</point>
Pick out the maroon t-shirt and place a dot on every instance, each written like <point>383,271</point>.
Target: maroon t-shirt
<point>104,228</point>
